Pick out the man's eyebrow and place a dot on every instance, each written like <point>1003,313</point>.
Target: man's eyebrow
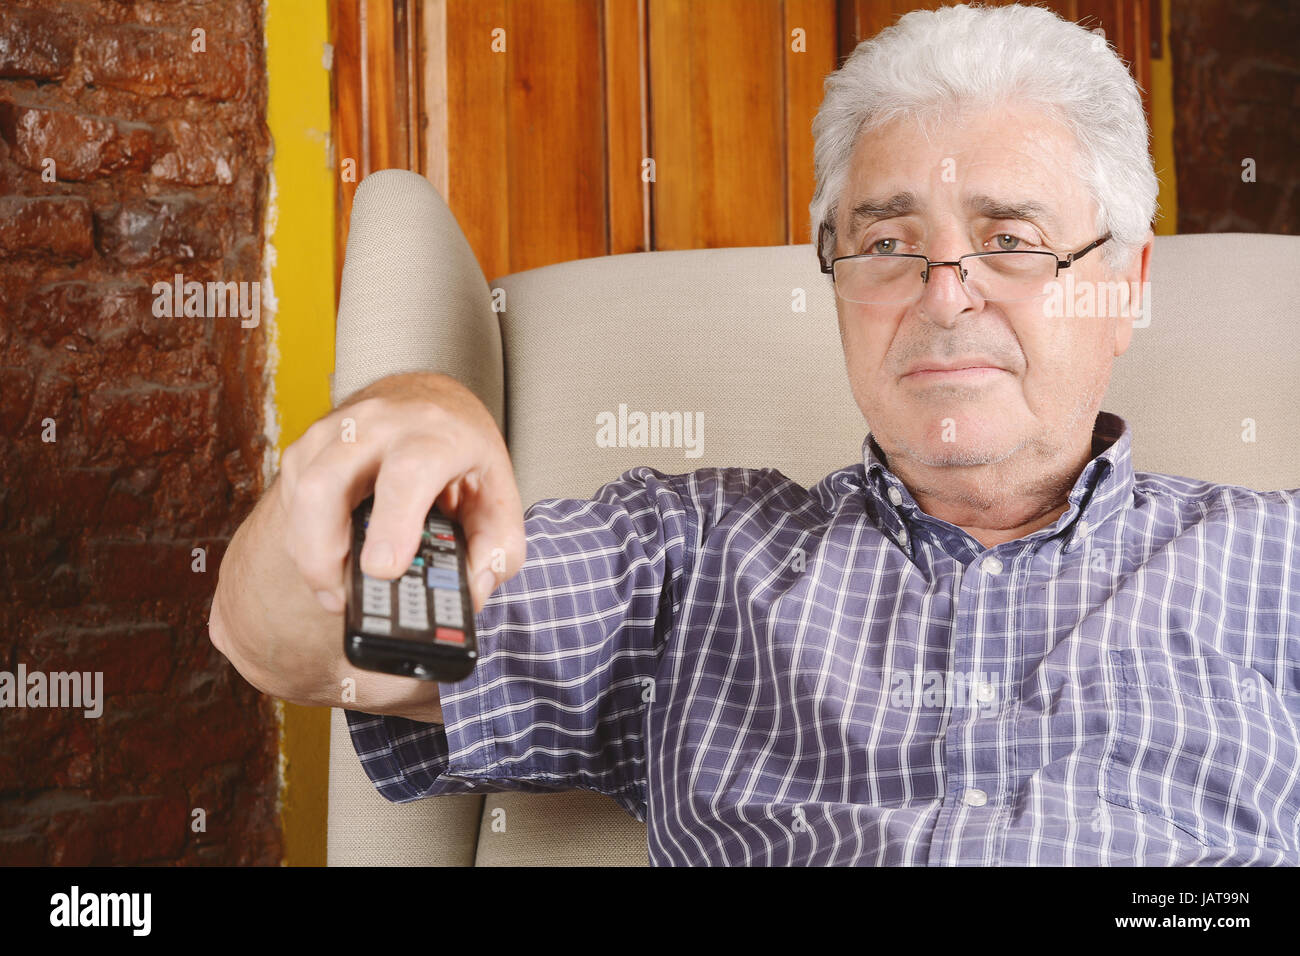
<point>866,211</point>
<point>988,207</point>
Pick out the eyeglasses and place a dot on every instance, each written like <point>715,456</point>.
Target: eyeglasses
<point>900,278</point>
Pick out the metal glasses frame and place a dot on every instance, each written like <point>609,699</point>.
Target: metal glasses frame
<point>828,267</point>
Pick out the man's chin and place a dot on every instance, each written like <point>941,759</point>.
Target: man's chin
<point>966,448</point>
<point>953,456</point>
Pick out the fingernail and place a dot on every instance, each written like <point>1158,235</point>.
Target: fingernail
<point>379,555</point>
<point>330,601</point>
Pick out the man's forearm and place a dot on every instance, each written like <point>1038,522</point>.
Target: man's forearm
<point>263,609</point>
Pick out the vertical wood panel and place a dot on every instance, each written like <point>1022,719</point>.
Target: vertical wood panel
<point>717,111</point>
<point>538,150</point>
<point>477,140</point>
<point>627,128</point>
<point>1141,33</point>
<point>805,74</point>
<point>433,149</point>
<point>383,86</point>
<point>556,137</point>
<point>348,130</point>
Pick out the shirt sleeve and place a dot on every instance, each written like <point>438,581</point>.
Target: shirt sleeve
<point>568,650</point>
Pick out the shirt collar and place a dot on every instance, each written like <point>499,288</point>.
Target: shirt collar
<point>1104,486</point>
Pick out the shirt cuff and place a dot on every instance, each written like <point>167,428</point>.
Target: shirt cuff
<point>410,759</point>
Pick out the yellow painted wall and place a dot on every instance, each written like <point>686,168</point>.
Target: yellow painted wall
<point>301,259</point>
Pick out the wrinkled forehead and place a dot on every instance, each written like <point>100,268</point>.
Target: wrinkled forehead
<point>1004,163</point>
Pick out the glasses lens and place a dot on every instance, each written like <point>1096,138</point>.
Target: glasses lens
<point>895,280</point>
<point>879,280</point>
<point>1010,276</point>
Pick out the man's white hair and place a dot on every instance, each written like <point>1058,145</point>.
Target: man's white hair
<point>931,61</point>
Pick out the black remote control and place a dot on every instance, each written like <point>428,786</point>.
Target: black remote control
<point>421,624</point>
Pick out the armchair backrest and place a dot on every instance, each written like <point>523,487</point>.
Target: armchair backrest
<point>746,342</point>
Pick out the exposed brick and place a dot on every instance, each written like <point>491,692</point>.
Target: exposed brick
<point>133,658</point>
<point>59,226</point>
<point>152,421</point>
<point>123,830</point>
<point>111,314</point>
<point>82,146</point>
<point>128,504</point>
<point>154,61</point>
<point>201,156</point>
<point>73,499</point>
<point>147,231</point>
<point>34,43</point>
<point>38,572</point>
<point>159,426</point>
<point>183,736</point>
<point>48,747</point>
<point>123,571</point>
<point>17,387</point>
<point>23,849</point>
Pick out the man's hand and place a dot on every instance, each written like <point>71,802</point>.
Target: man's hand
<point>414,439</point>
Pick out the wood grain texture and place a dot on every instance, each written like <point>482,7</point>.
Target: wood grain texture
<point>556,136</point>
<point>383,87</point>
<point>433,147</point>
<point>805,74</point>
<point>718,115</point>
<point>478,139</point>
<point>538,149</point>
<point>348,118</point>
<point>627,125</point>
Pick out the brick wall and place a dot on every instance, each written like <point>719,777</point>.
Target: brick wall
<point>1236,96</point>
<point>127,156</point>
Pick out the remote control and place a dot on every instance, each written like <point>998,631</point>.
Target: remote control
<point>421,624</point>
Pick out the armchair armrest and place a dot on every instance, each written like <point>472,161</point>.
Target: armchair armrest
<point>412,295</point>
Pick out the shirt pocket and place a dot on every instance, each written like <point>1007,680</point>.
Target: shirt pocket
<point>1205,744</point>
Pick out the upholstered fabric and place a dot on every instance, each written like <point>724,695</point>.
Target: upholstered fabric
<point>719,331</point>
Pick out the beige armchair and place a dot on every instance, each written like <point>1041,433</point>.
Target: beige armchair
<point>717,331</point>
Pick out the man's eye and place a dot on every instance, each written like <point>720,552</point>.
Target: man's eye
<point>874,247</point>
<point>1013,242</point>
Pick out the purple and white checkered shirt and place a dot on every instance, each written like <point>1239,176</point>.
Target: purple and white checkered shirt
<point>768,674</point>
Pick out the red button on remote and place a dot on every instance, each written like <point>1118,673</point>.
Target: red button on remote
<point>449,635</point>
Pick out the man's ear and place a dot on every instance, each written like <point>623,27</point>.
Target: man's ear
<point>1138,275</point>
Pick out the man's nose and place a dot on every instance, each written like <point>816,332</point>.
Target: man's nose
<point>945,297</point>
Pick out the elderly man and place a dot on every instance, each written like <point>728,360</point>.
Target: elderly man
<point>989,641</point>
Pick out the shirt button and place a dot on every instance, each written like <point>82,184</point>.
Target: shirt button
<point>974,797</point>
<point>985,693</point>
<point>902,536</point>
<point>895,496</point>
<point>991,565</point>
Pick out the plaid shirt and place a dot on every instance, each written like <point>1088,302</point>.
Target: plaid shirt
<point>768,674</point>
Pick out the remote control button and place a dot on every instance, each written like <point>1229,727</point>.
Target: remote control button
<point>376,597</point>
<point>442,559</point>
<point>445,536</point>
<point>447,608</point>
<point>413,611</point>
<point>443,578</point>
<point>449,635</point>
<point>376,625</point>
